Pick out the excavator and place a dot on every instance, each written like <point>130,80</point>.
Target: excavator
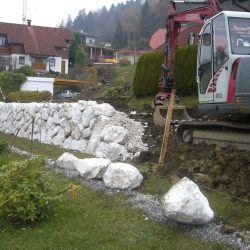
<point>223,74</point>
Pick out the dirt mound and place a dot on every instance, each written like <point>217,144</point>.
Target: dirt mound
<point>222,169</point>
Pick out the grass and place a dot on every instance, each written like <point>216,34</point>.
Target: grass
<point>44,150</point>
<point>5,157</point>
<point>140,103</point>
<point>92,220</point>
<point>189,101</point>
<point>127,72</point>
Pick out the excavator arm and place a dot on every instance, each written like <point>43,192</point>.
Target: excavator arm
<point>173,25</point>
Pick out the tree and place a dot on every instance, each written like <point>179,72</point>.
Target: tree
<point>69,22</point>
<point>118,38</point>
<point>81,56</point>
<point>62,24</point>
<point>79,21</point>
<point>77,54</point>
<point>146,21</point>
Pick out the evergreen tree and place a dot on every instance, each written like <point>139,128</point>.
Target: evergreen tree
<point>118,39</point>
<point>146,21</point>
<point>79,21</point>
<point>62,24</point>
<point>77,54</point>
<point>69,22</point>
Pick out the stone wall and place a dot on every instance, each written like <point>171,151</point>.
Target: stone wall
<point>86,126</point>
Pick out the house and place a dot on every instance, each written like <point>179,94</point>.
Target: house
<point>87,39</point>
<point>97,52</point>
<point>43,48</point>
<point>157,41</point>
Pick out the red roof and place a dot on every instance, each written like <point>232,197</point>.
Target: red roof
<point>157,39</point>
<point>37,40</point>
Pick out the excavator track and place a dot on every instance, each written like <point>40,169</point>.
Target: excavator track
<point>222,133</point>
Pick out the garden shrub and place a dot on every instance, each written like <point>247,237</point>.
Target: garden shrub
<point>106,72</point>
<point>121,80</point>
<point>147,74</point>
<point>3,146</point>
<point>185,71</point>
<point>11,81</point>
<point>124,62</point>
<point>27,191</point>
<point>29,96</point>
<point>26,70</point>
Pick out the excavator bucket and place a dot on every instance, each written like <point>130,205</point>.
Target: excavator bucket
<point>179,114</point>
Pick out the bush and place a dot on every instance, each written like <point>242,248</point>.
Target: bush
<point>106,72</point>
<point>121,80</point>
<point>185,73</point>
<point>27,192</point>
<point>3,146</point>
<point>29,96</point>
<point>124,62</point>
<point>11,81</point>
<point>147,74</point>
<point>26,70</point>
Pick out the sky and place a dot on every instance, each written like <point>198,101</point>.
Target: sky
<point>49,12</point>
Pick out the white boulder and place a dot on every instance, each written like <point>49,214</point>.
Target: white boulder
<point>186,204</point>
<point>114,134</point>
<point>91,168</point>
<point>104,109</point>
<point>66,161</point>
<point>122,176</point>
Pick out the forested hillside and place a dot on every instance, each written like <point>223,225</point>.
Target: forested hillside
<point>124,25</point>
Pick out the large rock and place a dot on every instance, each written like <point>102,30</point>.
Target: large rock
<point>122,176</point>
<point>186,204</point>
<point>104,109</point>
<point>66,161</point>
<point>91,168</point>
<point>114,134</point>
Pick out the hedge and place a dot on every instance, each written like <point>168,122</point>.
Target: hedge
<point>29,96</point>
<point>11,81</point>
<point>185,71</point>
<point>147,74</point>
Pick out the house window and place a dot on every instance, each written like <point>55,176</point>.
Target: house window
<point>2,40</point>
<point>52,62</point>
<point>21,60</point>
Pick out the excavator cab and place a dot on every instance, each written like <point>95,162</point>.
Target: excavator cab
<point>223,64</point>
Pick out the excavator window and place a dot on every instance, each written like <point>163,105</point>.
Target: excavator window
<point>239,29</point>
<point>205,68</point>
<point>220,42</point>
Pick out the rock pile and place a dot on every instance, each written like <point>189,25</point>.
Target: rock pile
<point>86,126</point>
<point>115,175</point>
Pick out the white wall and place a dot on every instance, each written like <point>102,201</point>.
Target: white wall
<point>15,60</point>
<point>90,40</point>
<point>97,129</point>
<point>38,84</point>
<point>58,64</point>
<point>57,67</point>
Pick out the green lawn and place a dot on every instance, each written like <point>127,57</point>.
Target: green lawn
<point>93,220</point>
<point>44,150</point>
